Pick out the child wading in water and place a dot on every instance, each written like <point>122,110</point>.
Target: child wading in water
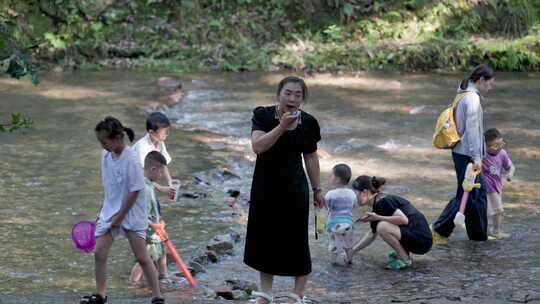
<point>123,210</point>
<point>154,166</point>
<point>157,128</point>
<point>340,202</point>
<point>495,166</point>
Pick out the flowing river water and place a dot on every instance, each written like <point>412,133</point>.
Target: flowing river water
<point>379,124</point>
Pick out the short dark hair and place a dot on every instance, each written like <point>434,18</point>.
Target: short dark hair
<point>343,172</point>
<point>156,121</point>
<point>293,79</point>
<point>492,134</point>
<point>154,158</point>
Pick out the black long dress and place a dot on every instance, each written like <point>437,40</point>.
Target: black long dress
<point>277,230</point>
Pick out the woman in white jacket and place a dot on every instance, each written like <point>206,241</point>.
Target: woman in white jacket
<point>470,149</point>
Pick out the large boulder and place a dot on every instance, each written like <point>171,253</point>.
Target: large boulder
<point>221,244</point>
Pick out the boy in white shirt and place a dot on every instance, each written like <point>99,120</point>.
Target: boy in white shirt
<point>157,127</point>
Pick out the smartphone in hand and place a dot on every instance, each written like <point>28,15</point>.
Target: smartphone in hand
<point>361,218</point>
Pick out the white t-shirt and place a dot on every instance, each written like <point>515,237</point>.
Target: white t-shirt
<point>340,202</point>
<point>144,146</point>
<point>119,177</point>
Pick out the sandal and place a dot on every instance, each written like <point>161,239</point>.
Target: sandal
<point>262,295</point>
<point>392,255</point>
<point>399,264</point>
<point>93,299</point>
<point>158,300</point>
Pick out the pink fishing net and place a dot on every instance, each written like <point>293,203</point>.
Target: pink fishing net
<point>83,236</point>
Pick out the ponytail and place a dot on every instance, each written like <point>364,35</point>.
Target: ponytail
<point>113,128</point>
<point>371,183</point>
<point>464,83</point>
<point>130,134</point>
<point>482,70</point>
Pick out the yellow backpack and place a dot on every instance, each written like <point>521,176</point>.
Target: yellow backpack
<point>446,135</point>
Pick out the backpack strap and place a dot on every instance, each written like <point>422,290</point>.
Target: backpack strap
<point>456,101</point>
<point>459,97</point>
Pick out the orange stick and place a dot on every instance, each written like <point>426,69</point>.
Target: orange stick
<point>160,231</point>
<point>180,264</point>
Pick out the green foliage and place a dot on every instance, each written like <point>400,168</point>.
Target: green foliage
<point>515,17</point>
<point>241,35</point>
<point>18,121</point>
<point>56,41</point>
<point>20,66</point>
<point>334,33</point>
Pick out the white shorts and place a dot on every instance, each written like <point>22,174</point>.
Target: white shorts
<point>341,237</point>
<point>104,228</point>
<point>494,205</point>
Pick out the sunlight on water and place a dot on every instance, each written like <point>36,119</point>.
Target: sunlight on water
<point>379,124</point>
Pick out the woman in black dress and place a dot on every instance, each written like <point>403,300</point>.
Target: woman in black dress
<point>395,220</point>
<point>277,230</point>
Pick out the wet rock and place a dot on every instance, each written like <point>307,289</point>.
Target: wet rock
<point>201,259</point>
<point>246,286</point>
<point>196,268</point>
<point>212,256</point>
<point>233,193</point>
<point>225,293</point>
<point>239,295</point>
<point>197,180</point>
<point>228,174</point>
<point>221,244</point>
<point>235,236</point>
<point>190,195</point>
<point>194,195</point>
<point>208,293</point>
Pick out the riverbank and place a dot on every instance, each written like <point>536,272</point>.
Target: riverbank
<point>309,36</point>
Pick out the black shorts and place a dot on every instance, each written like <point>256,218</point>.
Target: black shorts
<point>416,236</point>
